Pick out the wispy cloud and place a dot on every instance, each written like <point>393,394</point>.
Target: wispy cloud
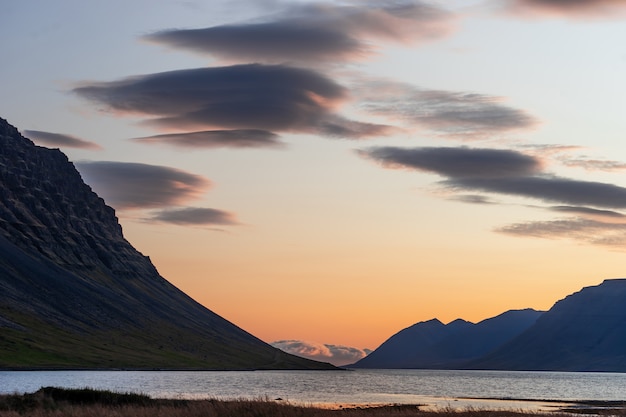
<point>274,98</point>
<point>336,354</point>
<point>188,216</point>
<point>238,138</point>
<point>473,199</point>
<point>579,9</point>
<point>314,32</point>
<point>595,164</point>
<point>127,185</point>
<point>61,140</point>
<point>590,212</point>
<point>454,114</point>
<point>589,231</point>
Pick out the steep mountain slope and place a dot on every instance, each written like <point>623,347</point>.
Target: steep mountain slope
<point>586,331</point>
<point>410,343</point>
<point>482,338</point>
<point>433,345</point>
<point>74,293</point>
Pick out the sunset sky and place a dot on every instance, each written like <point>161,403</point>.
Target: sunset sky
<point>327,173</point>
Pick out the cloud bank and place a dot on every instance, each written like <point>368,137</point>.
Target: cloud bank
<point>314,32</point>
<point>501,172</point>
<point>273,98</point>
<point>289,89</point>
<point>590,206</point>
<point>336,354</point>
<point>61,140</point>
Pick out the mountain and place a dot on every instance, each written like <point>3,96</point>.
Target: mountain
<point>434,345</point>
<point>75,294</point>
<point>408,344</point>
<point>586,331</point>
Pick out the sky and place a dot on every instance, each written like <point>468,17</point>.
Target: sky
<point>325,174</point>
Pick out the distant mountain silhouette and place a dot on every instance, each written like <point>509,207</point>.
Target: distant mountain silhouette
<point>586,331</point>
<point>434,345</point>
<point>75,294</point>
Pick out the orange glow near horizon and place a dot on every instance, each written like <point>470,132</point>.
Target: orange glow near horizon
<point>357,299</point>
<point>393,163</point>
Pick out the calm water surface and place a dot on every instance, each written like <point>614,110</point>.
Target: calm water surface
<point>439,388</point>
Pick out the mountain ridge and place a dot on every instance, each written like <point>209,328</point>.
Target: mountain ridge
<point>433,345</point>
<point>585,331</point>
<point>74,293</point>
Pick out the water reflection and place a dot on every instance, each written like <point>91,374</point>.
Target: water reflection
<point>457,389</point>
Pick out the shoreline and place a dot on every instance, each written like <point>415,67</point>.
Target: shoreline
<point>84,401</point>
<point>461,404</point>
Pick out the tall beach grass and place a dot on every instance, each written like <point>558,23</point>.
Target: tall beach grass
<point>50,401</point>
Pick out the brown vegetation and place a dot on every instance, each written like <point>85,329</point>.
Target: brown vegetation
<point>53,402</point>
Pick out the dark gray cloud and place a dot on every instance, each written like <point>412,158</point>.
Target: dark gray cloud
<point>315,32</point>
<point>567,8</point>
<point>59,139</point>
<point>550,189</point>
<point>457,162</point>
<point>188,216</point>
<point>126,185</point>
<point>449,113</point>
<point>589,207</point>
<point>238,138</point>
<point>336,354</point>
<point>587,211</point>
<point>501,172</point>
<point>266,97</point>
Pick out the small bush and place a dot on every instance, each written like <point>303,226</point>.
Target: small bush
<point>88,396</point>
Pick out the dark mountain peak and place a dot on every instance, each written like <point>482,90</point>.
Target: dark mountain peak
<point>459,324</point>
<point>75,293</point>
<point>605,297</point>
<point>431,344</point>
<point>511,316</point>
<point>9,130</point>
<point>614,281</point>
<point>434,323</point>
<point>47,209</point>
<point>585,331</point>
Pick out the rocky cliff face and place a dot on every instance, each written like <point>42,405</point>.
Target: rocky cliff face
<point>46,208</point>
<point>74,293</point>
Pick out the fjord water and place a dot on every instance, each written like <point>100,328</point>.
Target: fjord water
<point>332,387</point>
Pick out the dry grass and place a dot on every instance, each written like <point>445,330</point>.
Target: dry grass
<point>53,402</point>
